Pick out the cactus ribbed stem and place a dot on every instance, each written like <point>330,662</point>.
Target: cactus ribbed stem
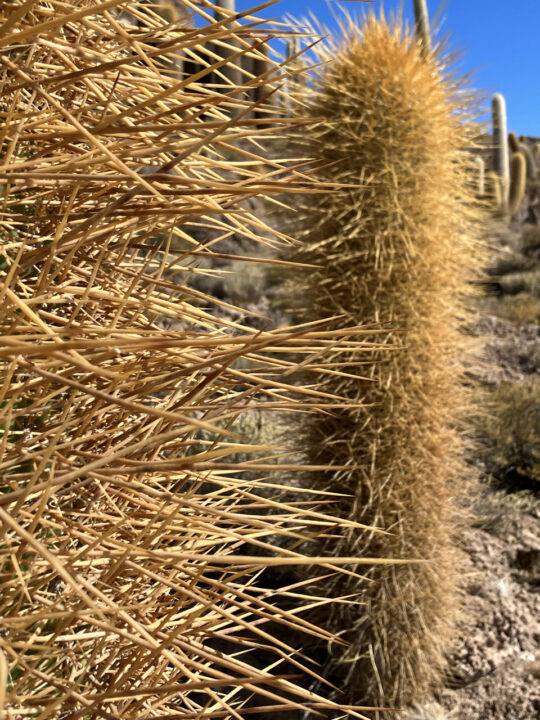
<point>529,159</point>
<point>518,181</point>
<point>480,168</point>
<point>500,143</point>
<point>392,244</point>
<point>423,32</point>
<point>232,73</point>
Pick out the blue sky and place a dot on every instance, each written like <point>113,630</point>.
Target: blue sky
<point>500,39</point>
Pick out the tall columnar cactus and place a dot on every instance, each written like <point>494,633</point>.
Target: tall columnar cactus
<point>423,32</point>
<point>500,143</point>
<point>395,246</point>
<point>231,71</point>
<point>518,182</point>
<point>532,169</point>
<point>134,542</point>
<point>480,175</point>
<point>512,160</point>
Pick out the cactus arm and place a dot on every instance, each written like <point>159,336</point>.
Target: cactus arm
<point>494,192</point>
<point>513,142</point>
<point>525,150</point>
<point>518,180</point>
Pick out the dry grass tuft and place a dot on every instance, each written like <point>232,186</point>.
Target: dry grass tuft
<point>512,427</point>
<point>134,547</point>
<point>396,246</point>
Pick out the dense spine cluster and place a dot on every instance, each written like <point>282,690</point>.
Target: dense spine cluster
<point>134,543</point>
<point>394,245</point>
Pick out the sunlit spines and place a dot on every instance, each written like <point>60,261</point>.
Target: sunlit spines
<point>395,243</point>
<point>134,539</point>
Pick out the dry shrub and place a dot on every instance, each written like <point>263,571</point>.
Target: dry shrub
<point>133,548</point>
<point>522,308</point>
<point>512,427</point>
<point>395,245</point>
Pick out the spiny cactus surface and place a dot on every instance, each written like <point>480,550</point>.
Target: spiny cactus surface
<point>394,244</point>
<point>134,546</point>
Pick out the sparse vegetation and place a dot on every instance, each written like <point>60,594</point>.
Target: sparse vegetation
<point>512,427</point>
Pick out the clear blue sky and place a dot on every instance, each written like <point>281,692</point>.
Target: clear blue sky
<point>499,38</point>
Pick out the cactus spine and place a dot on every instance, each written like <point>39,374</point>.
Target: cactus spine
<point>126,586</point>
<point>395,246</point>
<point>421,18</point>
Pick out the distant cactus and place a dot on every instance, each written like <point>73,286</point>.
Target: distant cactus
<point>501,159</point>
<point>296,83</point>
<point>423,32</point>
<point>480,171</point>
<point>518,180</point>
<point>512,171</point>
<point>262,68</point>
<point>231,71</point>
<point>513,142</point>
<point>493,191</point>
<point>395,246</point>
<point>532,170</point>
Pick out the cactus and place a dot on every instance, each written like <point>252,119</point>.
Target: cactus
<point>394,245</point>
<point>296,84</point>
<point>480,170</point>
<point>501,158</point>
<point>494,191</point>
<point>513,142</point>
<point>518,181</point>
<point>519,145</point>
<point>262,68</point>
<point>134,544</point>
<point>532,171</point>
<point>512,172</point>
<point>231,71</point>
<point>421,19</point>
